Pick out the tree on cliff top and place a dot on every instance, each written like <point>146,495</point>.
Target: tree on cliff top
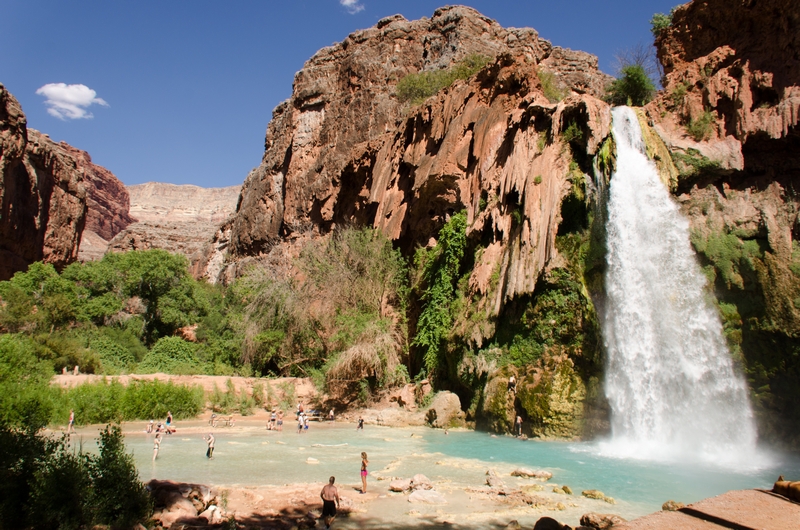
<point>633,87</point>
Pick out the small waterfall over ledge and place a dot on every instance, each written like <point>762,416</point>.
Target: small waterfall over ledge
<point>670,381</point>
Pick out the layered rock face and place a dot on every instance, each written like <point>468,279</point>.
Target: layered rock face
<point>344,151</point>
<point>177,218</point>
<point>729,114</point>
<point>325,145</point>
<point>108,205</point>
<point>42,195</point>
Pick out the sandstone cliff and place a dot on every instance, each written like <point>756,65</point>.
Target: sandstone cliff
<point>335,151</point>
<point>729,115</point>
<point>343,151</point>
<point>108,205</point>
<point>42,195</point>
<point>176,218</point>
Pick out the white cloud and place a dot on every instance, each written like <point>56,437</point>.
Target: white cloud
<point>352,6</point>
<point>69,102</point>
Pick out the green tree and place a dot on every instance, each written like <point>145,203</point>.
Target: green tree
<point>26,399</point>
<point>119,497</point>
<point>633,87</point>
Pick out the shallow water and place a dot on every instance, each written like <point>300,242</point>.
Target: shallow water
<point>254,456</point>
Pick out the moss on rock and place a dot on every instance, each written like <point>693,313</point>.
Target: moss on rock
<point>554,399</point>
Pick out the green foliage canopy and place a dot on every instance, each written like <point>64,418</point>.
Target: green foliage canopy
<point>633,87</point>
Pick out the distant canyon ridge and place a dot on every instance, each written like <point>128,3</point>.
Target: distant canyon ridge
<point>59,206</point>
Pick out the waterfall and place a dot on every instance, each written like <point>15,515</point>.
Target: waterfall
<point>670,381</point>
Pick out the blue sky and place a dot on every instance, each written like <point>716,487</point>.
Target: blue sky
<point>183,90</point>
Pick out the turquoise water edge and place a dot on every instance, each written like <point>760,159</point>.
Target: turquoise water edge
<point>252,456</point>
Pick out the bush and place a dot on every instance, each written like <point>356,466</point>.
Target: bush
<point>659,22</point>
<point>700,129</point>
<point>441,266</point>
<point>105,402</point>
<point>26,399</point>
<point>416,88</point>
<point>119,498</point>
<point>633,87</point>
<point>44,483</point>
<point>171,355</point>
<point>550,86</point>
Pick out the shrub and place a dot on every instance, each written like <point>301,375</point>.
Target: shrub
<point>44,483</point>
<point>633,87</point>
<point>572,132</point>
<point>171,355</point>
<point>416,88</point>
<point>700,129</point>
<point>119,497</point>
<point>153,399</point>
<point>550,86</point>
<point>26,399</point>
<point>440,274</point>
<point>105,401</point>
<point>659,22</point>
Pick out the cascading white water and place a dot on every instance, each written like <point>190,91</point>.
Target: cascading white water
<point>670,380</point>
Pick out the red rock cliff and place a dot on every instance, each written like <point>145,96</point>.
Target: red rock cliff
<point>344,150</point>
<point>42,197</point>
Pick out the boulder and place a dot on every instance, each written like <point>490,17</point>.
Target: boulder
<point>548,523</point>
<point>593,494</point>
<point>445,410</point>
<point>420,482</point>
<point>406,397</point>
<point>495,482</point>
<point>529,473</point>
<point>600,521</point>
<point>212,514</point>
<point>672,506</point>
<point>400,485</point>
<point>426,497</point>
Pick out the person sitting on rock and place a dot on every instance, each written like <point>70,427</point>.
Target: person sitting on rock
<point>512,384</point>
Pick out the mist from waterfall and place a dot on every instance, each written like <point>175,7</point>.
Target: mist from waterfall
<point>670,380</point>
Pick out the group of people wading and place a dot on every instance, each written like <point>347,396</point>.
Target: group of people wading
<point>329,494</point>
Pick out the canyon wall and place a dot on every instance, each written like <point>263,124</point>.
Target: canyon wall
<point>107,201</point>
<point>344,150</point>
<point>42,195</point>
<point>176,218</point>
<point>729,116</point>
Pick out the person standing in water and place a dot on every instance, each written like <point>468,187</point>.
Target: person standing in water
<point>71,426</point>
<point>280,420</point>
<point>364,463</point>
<point>519,426</point>
<point>156,446</point>
<point>210,441</point>
<point>330,501</point>
<point>360,424</point>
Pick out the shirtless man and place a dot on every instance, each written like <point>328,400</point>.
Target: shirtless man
<point>71,426</point>
<point>330,501</point>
